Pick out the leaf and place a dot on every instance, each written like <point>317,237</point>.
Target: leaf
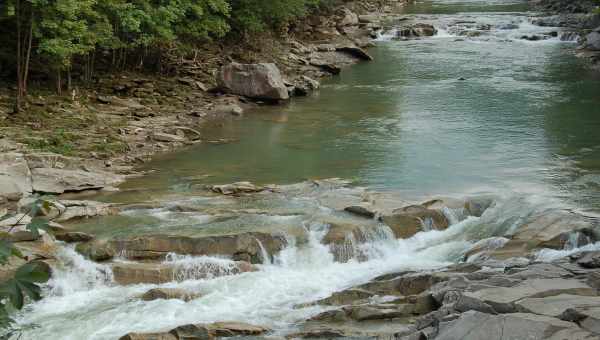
<point>6,250</point>
<point>36,224</point>
<point>10,290</point>
<point>33,272</point>
<point>5,320</point>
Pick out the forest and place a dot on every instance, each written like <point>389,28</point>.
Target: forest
<point>56,39</point>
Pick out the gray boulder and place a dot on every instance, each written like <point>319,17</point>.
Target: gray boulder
<point>593,40</point>
<point>474,325</point>
<point>259,81</point>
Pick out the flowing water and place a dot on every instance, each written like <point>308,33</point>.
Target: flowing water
<point>523,126</point>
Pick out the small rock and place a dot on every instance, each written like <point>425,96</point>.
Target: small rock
<point>168,294</point>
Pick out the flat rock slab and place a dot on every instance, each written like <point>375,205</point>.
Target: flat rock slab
<point>474,325</point>
<point>58,181</point>
<point>536,288</point>
<point>555,306</point>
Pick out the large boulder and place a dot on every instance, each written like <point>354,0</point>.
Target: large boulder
<point>15,177</point>
<point>408,221</point>
<point>416,30</point>
<point>259,81</point>
<point>593,40</point>
<point>551,229</point>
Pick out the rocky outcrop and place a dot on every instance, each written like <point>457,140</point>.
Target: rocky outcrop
<point>236,188</point>
<point>533,300</point>
<point>475,325</point>
<point>408,221</point>
<point>592,40</point>
<point>416,31</point>
<point>201,332</point>
<point>245,246</point>
<point>258,81</point>
<point>163,272</point>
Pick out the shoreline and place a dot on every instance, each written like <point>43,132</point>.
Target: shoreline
<point>101,134</point>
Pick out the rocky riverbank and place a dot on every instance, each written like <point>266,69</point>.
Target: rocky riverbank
<point>99,133</point>
<point>534,278</point>
<point>582,17</point>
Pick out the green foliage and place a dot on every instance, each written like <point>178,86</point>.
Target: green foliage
<point>26,279</point>
<point>259,15</point>
<point>65,35</point>
<point>60,142</point>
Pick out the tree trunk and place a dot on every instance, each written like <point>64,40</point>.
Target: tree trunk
<point>69,79</point>
<point>28,57</point>
<point>19,78</point>
<point>58,83</point>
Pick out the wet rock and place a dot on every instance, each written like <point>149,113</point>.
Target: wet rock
<point>361,211</point>
<point>158,273</point>
<point>319,333</point>
<point>168,294</point>
<point>304,85</point>
<point>482,249</point>
<point>73,237</point>
<point>534,37</point>
<point>74,209</point>
<point>148,336</point>
<point>416,30</point>
<point>233,329</point>
<point>157,246</point>
<point>476,206</point>
<point>97,250</point>
<point>355,51</point>
<point>202,332</point>
<point>593,40</point>
<point>474,325</point>
<point>553,229</point>
<point>326,66</point>
<point>236,188</point>
<point>408,221</point>
<point>346,297</point>
<point>407,284</point>
<point>589,259</point>
<point>229,109</point>
<point>259,81</point>
<point>192,332</point>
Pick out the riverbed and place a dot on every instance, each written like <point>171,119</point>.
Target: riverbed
<point>486,114</point>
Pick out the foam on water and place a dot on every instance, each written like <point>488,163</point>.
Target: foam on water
<point>300,273</point>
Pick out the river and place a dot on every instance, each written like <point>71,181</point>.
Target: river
<point>449,115</point>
